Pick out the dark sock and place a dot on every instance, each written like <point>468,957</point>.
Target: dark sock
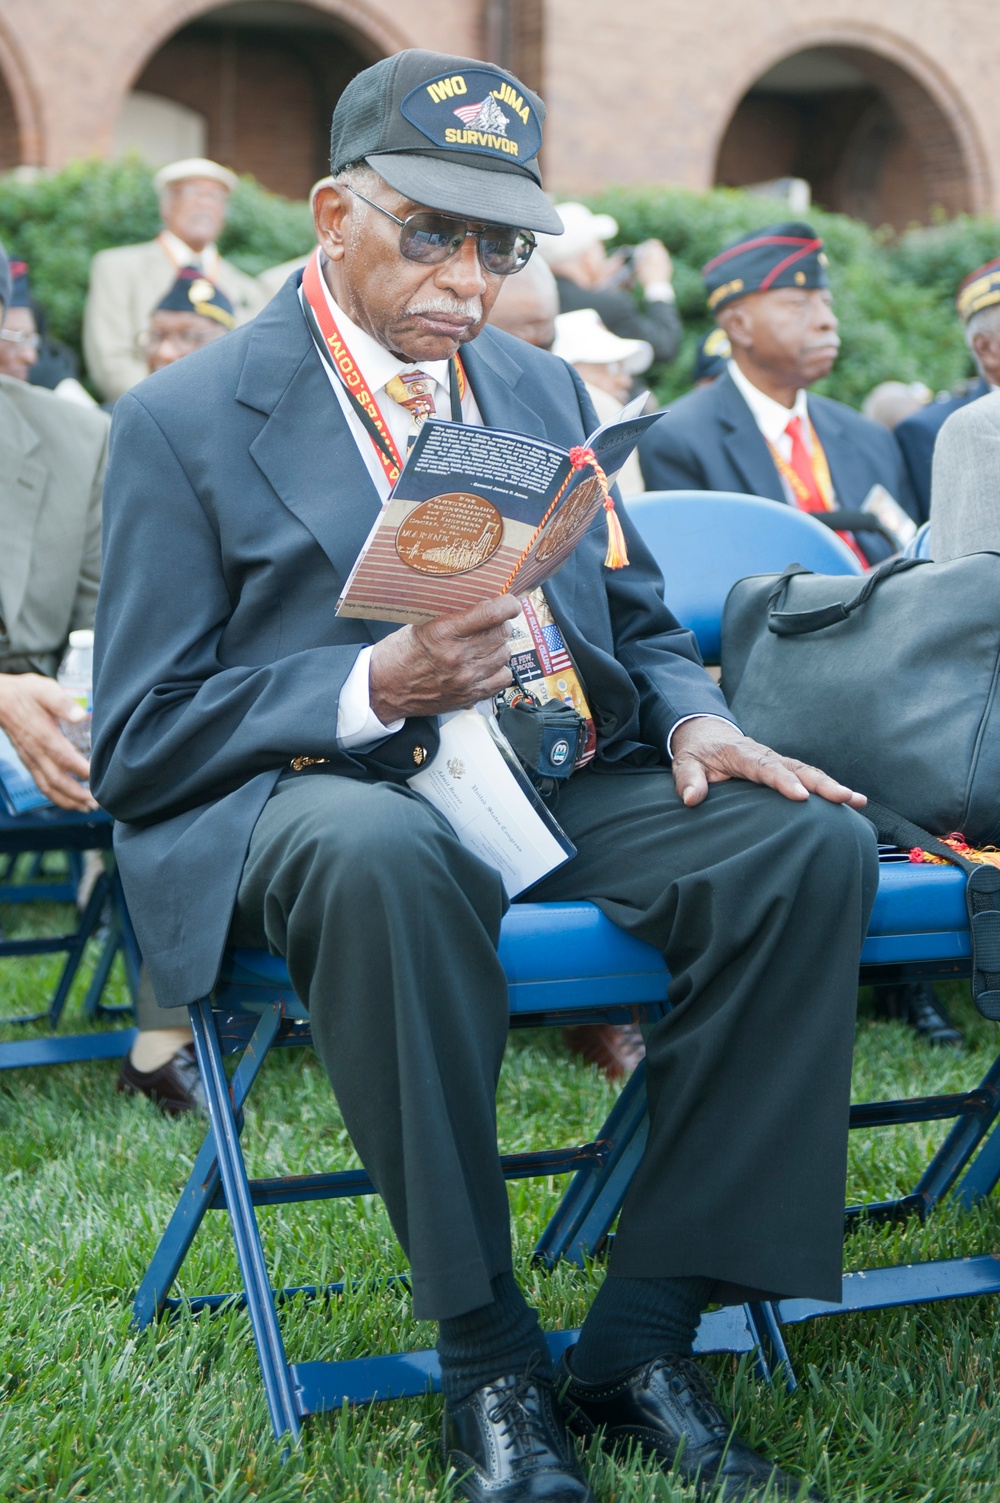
<point>494,1341</point>
<point>633,1321</point>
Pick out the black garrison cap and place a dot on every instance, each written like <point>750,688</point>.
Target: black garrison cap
<point>194,293</point>
<point>779,255</point>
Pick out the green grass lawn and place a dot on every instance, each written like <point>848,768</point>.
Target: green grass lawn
<point>892,1406</point>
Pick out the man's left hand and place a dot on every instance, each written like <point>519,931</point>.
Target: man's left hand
<point>707,750</point>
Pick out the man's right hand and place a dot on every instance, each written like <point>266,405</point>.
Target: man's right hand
<point>31,708</point>
<point>447,664</point>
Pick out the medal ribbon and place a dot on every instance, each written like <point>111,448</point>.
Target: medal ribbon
<point>805,498</point>
<point>334,351</point>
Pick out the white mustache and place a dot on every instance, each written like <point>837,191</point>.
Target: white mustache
<point>470,308</point>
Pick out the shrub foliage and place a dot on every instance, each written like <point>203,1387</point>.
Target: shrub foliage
<point>894,295</point>
<point>58,223</point>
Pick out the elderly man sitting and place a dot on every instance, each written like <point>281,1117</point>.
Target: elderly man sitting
<point>256,747</point>
<point>50,511</point>
<point>128,282</point>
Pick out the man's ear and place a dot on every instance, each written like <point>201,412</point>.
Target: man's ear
<point>737,320</point>
<point>331,208</point>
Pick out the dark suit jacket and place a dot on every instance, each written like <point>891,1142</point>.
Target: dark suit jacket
<point>917,435</point>
<point>708,441</point>
<point>235,505</point>
<point>658,323</point>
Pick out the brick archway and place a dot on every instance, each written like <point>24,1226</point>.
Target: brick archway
<point>264,78</point>
<point>20,128</point>
<point>871,125</point>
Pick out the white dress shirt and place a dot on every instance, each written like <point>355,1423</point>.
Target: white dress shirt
<point>772,419</point>
<point>206,260</point>
<point>358,727</point>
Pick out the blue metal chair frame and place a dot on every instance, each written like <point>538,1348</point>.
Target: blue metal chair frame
<point>567,963</point>
<point>37,833</point>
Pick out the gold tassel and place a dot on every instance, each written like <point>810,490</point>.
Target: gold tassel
<point>617,554</point>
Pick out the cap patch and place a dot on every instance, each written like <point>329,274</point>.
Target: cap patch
<point>981,289</point>
<point>476,111</point>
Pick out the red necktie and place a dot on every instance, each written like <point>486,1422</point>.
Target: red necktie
<point>812,497</point>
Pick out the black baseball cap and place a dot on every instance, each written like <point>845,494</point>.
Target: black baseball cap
<point>452,133</point>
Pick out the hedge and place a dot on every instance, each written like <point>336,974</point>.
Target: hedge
<point>57,224</point>
<point>894,295</point>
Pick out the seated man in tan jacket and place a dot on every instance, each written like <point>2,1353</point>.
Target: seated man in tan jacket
<point>128,282</point>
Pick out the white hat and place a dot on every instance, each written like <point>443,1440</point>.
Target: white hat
<point>178,172</point>
<point>581,337</point>
<point>581,228</point>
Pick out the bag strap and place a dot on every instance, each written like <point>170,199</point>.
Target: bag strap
<point>855,521</point>
<point>797,623</point>
<point>982,898</point>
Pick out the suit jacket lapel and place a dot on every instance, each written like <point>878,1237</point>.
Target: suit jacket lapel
<point>325,482</point>
<point>849,479</point>
<point>744,443</point>
<point>494,377</point>
<point>25,480</point>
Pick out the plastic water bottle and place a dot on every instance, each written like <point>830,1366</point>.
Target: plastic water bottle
<point>76,675</point>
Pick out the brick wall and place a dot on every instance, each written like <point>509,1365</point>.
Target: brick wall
<point>267,98</point>
<point>10,136</point>
<point>637,92</point>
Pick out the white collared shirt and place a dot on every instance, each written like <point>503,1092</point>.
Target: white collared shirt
<point>206,260</point>
<point>772,418</point>
<point>358,727</point>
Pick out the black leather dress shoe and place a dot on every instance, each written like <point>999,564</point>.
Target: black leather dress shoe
<point>666,1410</point>
<point>918,1005</point>
<point>175,1087</point>
<point>508,1443</point>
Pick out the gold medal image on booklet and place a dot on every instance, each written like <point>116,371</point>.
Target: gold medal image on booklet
<point>450,534</point>
<point>479,512</point>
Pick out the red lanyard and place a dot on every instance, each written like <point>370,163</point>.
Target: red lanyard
<point>334,351</point>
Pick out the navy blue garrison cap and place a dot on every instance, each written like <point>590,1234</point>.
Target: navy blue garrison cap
<point>779,255</point>
<point>194,293</point>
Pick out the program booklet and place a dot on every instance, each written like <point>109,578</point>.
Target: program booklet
<point>477,783</point>
<point>477,513</point>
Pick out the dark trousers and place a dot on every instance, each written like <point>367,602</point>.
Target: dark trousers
<point>760,905</point>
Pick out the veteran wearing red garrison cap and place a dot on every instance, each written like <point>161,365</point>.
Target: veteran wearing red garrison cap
<point>255,748</point>
<point>758,428</point>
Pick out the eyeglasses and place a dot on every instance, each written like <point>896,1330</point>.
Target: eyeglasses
<point>21,336</point>
<point>432,238</point>
<point>185,339</point>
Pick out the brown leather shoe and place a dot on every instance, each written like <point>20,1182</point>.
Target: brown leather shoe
<point>175,1087</point>
<point>616,1048</point>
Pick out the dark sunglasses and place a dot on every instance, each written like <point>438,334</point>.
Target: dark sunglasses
<point>431,238</point>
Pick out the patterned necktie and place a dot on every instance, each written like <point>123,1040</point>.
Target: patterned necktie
<point>413,390</point>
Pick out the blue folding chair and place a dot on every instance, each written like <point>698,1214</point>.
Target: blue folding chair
<point>104,920</point>
<point>567,963</point>
<point>704,541</point>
